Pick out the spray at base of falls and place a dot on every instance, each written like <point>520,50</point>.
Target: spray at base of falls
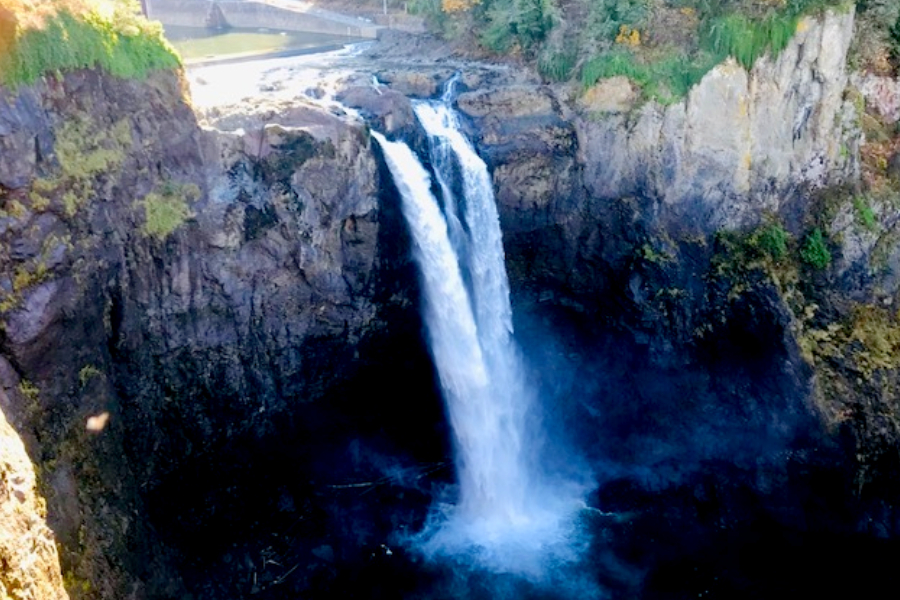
<point>510,516</point>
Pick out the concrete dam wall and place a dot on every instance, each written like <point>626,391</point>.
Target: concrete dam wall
<point>290,15</point>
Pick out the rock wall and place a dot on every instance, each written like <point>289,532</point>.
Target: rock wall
<point>741,144</point>
<point>732,227</point>
<point>27,546</point>
<point>163,288</point>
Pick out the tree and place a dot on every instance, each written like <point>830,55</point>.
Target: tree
<point>456,6</point>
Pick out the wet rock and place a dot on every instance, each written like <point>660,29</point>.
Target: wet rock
<point>415,83</point>
<point>389,110</point>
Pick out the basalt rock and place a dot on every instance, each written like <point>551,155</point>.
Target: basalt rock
<point>164,288</point>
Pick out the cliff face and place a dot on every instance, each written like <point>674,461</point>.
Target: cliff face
<point>727,230</point>
<point>27,548</point>
<point>177,286</point>
<point>741,142</point>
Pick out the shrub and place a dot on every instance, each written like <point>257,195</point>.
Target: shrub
<point>119,41</point>
<point>771,240</point>
<point>815,251</point>
<point>607,17</point>
<point>511,23</point>
<point>894,40</point>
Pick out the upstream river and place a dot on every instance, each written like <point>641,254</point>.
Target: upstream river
<point>199,45</point>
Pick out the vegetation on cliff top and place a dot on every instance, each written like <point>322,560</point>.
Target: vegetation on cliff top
<point>665,46</point>
<point>51,36</point>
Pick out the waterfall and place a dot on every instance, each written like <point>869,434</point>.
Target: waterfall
<point>503,500</point>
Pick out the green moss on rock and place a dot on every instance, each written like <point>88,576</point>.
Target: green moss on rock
<point>168,209</point>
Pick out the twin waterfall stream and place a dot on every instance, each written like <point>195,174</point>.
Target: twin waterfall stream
<point>508,515</point>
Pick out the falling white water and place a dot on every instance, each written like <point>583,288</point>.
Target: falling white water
<point>507,515</point>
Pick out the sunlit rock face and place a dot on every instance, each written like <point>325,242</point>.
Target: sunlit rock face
<point>27,546</point>
<point>739,141</point>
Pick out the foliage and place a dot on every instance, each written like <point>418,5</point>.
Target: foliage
<point>866,341</point>
<point>721,28</point>
<point>520,24</point>
<point>607,18</point>
<point>814,251</point>
<point>84,150</point>
<point>87,373</point>
<point>772,240</point>
<point>557,65</point>
<point>766,249</point>
<point>746,39</point>
<point>452,6</point>
<point>110,36</point>
<point>665,80</point>
<point>864,213</point>
<point>612,64</point>
<point>894,39</point>
<point>426,8</point>
<point>533,21</point>
<point>167,210</point>
<point>649,254</point>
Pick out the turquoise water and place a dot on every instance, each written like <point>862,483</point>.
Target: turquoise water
<point>196,44</point>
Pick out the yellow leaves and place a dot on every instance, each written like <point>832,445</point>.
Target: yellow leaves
<point>628,36</point>
<point>455,6</point>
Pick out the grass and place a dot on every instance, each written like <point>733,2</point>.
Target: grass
<point>557,65</point>
<point>65,35</point>
<point>665,80</point>
<point>746,39</point>
<point>864,214</point>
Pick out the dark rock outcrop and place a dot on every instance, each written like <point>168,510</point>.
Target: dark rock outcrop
<point>179,286</point>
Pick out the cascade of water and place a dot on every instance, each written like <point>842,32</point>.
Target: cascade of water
<point>502,500</point>
<point>501,476</point>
